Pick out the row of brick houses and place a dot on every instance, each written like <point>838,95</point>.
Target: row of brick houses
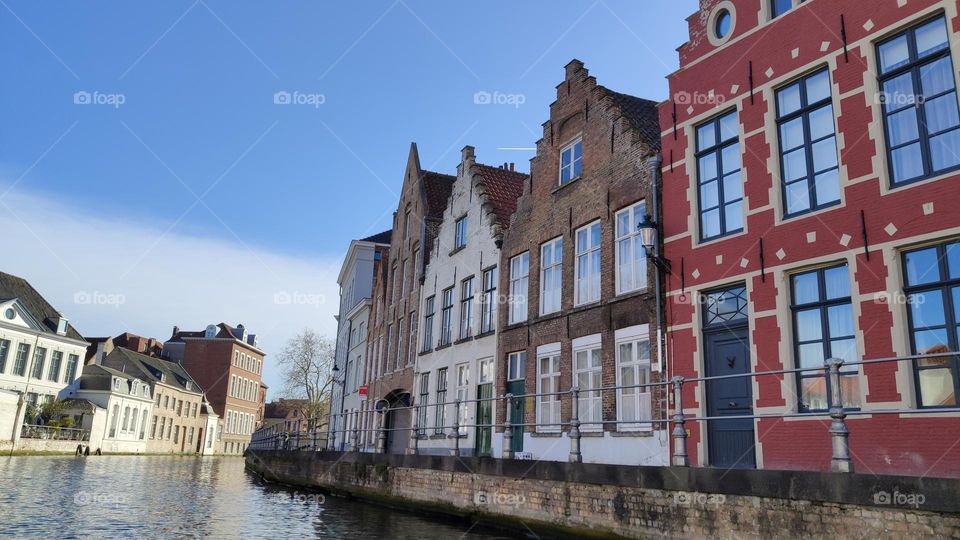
<point>793,201</point>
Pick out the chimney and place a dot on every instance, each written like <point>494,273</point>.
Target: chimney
<point>176,330</point>
<point>512,165</point>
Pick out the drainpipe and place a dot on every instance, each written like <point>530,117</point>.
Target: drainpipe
<point>653,169</point>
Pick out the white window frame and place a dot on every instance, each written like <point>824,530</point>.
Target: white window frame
<point>463,394</point>
<point>570,147</point>
<point>635,336</point>
<point>585,268</point>
<point>399,343</point>
<point>551,299</point>
<point>460,232</point>
<point>467,290</point>
<point>548,407</point>
<point>590,406</point>
<point>519,287</point>
<point>516,366</point>
<point>629,246</point>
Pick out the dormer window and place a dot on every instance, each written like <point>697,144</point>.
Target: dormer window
<point>571,161</point>
<point>779,7</point>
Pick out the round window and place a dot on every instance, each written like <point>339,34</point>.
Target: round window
<point>722,26</point>
<point>9,313</point>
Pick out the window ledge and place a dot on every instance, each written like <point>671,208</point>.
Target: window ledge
<point>629,295</point>
<point>436,436</point>
<point>425,352</point>
<point>463,340</point>
<point>441,347</point>
<point>585,307</point>
<point>570,182</point>
<point>548,316</point>
<point>515,325</point>
<point>454,251</point>
<point>546,434</point>
<point>485,334</point>
<point>591,433</point>
<point>637,433</point>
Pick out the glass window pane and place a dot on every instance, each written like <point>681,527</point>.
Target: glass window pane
<point>734,216</point>
<point>781,6</point>
<point>565,157</point>
<point>809,325</point>
<point>595,235</point>
<point>828,187</point>
<point>708,167</point>
<point>931,37</point>
<point>811,355</point>
<point>902,127</point>
<point>837,282</point>
<point>814,392</point>
<point>824,154</point>
<point>710,223</point>
<point>821,122</point>
<point>936,388</point>
<point>898,92</point>
<point>840,320</point>
<point>805,288</point>
<point>846,350</point>
<point>577,168</point>
<point>894,53</point>
<point>937,77</point>
<point>931,342</point>
<point>798,197</point>
<point>730,157</point>
<point>623,224</point>
<point>953,260</point>
<point>578,150</point>
<point>708,195</point>
<point>850,391</point>
<point>818,87</point>
<point>733,189</point>
<point>907,163</point>
<point>706,135</point>
<point>729,127</point>
<point>926,309</point>
<point>791,134</point>
<point>794,165</point>
<point>941,113</point>
<point>922,266</point>
<point>788,99</point>
<point>564,174</point>
<point>945,150</point>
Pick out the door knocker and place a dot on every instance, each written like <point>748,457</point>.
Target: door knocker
<point>731,360</point>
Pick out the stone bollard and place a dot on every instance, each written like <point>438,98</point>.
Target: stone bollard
<point>456,427</point>
<point>508,430</point>
<point>575,455</point>
<point>839,435</point>
<point>382,438</point>
<point>680,458</point>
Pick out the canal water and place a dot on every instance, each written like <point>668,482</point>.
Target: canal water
<point>187,497</point>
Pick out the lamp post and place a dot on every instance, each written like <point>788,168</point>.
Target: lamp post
<point>650,238</point>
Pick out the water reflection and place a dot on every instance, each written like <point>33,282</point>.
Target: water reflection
<point>137,497</point>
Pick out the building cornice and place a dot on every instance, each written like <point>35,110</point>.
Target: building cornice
<point>48,335</point>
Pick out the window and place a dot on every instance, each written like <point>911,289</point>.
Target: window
<point>823,328</point>
<point>422,404</point>
<point>190,436</point>
<point>176,434</point>
<point>587,370</point>
<point>20,363</point>
<point>460,236</point>
<point>179,407</point>
<point>463,394</point>
<point>519,276</point>
<point>933,296</point>
<point>4,352</point>
<point>440,413</point>
<point>466,308</point>
<point>516,369</point>
<point>72,361</point>
<point>919,102</point>
<point>114,420</point>
<point>718,174</point>
<point>56,360</point>
<point>153,427</point>
<point>571,161</point>
<point>548,402</point>
<point>725,306</point>
<point>143,425</point>
<point>779,7</point>
<point>551,269</point>
<point>133,420</point>
<point>126,419</point>
<point>39,357</point>
<point>446,314</point>
<point>411,337</point>
<point>400,343</point>
<point>722,26</point>
<point>808,147</point>
<point>587,264</point>
<point>633,370</point>
<point>488,315</point>
<point>630,253</point>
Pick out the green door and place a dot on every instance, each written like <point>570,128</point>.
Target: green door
<point>516,415</point>
<point>484,419</point>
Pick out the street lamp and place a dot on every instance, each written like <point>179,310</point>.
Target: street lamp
<point>649,236</point>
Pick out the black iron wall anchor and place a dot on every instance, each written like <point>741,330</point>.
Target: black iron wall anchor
<point>674,115</point>
<point>843,36</point>
<point>763,266</point>
<point>863,231</point>
<point>750,80</point>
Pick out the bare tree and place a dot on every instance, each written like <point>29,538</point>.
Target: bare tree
<point>306,362</point>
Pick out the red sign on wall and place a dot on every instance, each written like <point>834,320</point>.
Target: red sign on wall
<point>363,392</point>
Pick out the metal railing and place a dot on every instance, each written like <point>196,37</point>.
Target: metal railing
<point>832,371</point>
<point>29,431</point>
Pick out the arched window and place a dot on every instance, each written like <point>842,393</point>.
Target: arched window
<point>113,421</point>
<point>133,420</point>
<point>126,418</point>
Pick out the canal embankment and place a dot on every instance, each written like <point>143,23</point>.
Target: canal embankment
<point>636,502</point>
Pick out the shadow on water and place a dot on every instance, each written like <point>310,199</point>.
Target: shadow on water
<point>168,496</point>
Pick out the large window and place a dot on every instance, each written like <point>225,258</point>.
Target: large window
<point>4,352</point>
<point>587,369</point>
<point>399,363</point>
<point>488,317</point>
<point>823,328</point>
<point>919,102</point>
<point>808,146</point>
<point>571,161</point>
<point>933,294</point>
<point>548,383</point>
<point>633,370</point>
<point>460,236</point>
<point>429,308</point>
<point>20,362</point>
<point>446,314</point>
<point>718,173</point>
<point>72,361</point>
<point>463,394</point>
<point>519,276</point>
<point>630,253</point>
<point>440,419</point>
<point>551,270</point>
<point>516,369</point>
<point>466,308</point>
<point>56,362</point>
<point>587,264</point>
<point>39,357</point>
<point>423,403</point>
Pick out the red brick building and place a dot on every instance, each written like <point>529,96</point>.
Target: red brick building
<point>810,187</point>
<point>581,306</point>
<point>228,365</point>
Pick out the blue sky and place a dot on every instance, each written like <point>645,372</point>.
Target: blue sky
<point>207,197</point>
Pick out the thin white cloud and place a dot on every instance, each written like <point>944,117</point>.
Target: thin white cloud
<point>81,262</point>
